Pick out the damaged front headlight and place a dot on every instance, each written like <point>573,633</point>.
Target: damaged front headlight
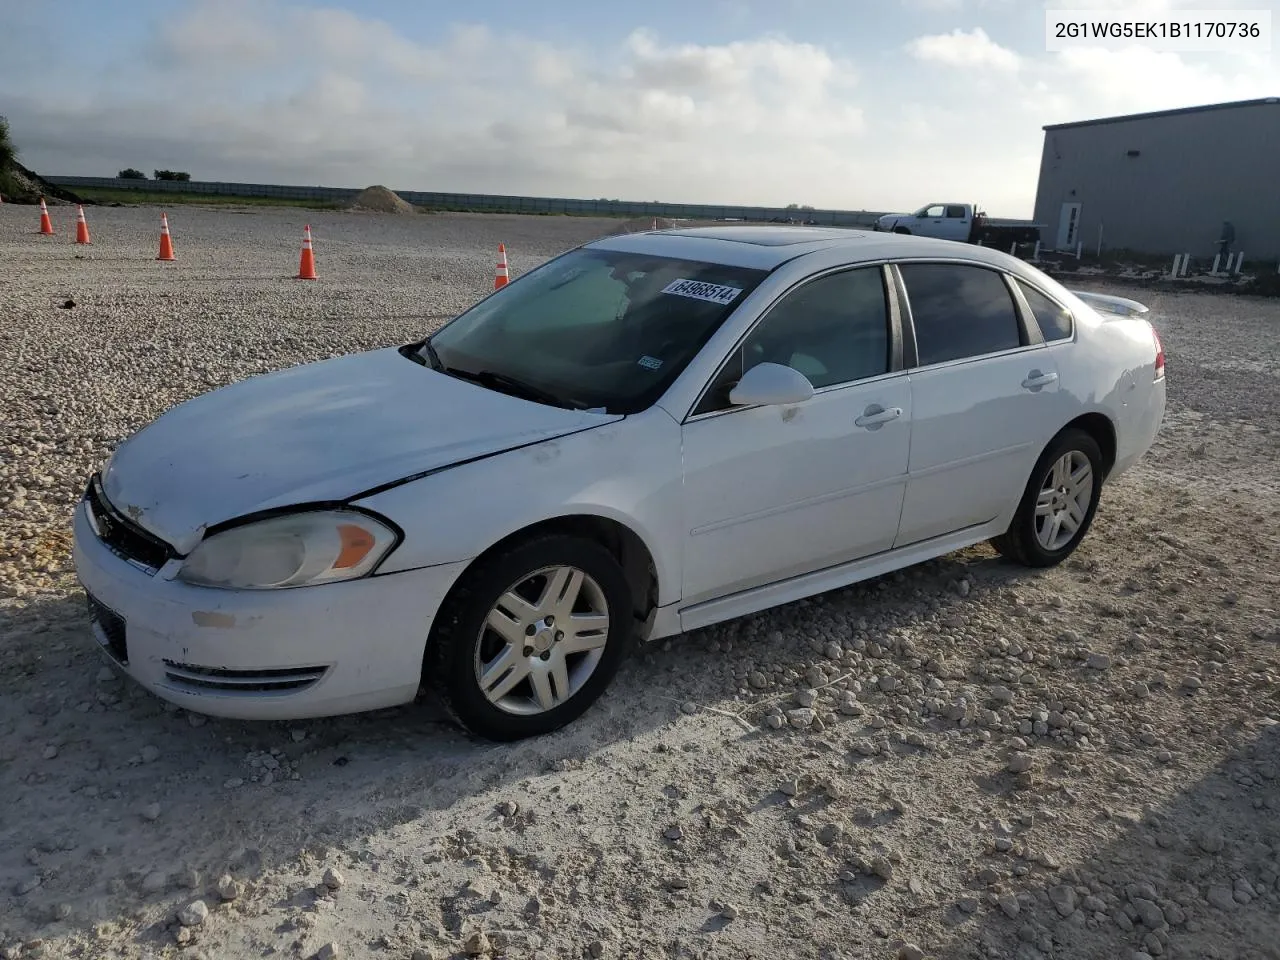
<point>292,550</point>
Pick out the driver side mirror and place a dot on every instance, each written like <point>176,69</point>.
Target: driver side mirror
<point>768,384</point>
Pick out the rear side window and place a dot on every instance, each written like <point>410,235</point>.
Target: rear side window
<point>959,311</point>
<point>955,212</point>
<point>1054,319</point>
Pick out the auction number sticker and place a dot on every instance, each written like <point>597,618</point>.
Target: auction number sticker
<point>697,290</point>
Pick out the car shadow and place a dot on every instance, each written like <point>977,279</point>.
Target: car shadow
<point>117,802</point>
<point>1184,868</point>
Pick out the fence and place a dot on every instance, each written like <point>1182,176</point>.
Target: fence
<point>483,203</point>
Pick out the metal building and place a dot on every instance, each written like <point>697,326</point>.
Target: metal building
<point>1172,181</point>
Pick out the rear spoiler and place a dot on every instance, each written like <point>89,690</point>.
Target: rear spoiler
<point>1109,304</point>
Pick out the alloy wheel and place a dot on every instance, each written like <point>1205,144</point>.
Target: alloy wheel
<point>542,640</point>
<point>1063,501</point>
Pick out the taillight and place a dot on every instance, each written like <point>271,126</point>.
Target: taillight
<point>1159,355</point>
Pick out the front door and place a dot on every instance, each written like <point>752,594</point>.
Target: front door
<point>984,400</point>
<point>773,492</point>
<point>1068,226</point>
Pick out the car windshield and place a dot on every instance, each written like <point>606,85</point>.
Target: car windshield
<point>592,329</point>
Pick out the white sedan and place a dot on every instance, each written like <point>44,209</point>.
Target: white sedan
<point>648,434</point>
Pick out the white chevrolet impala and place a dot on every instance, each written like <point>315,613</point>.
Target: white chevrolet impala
<point>648,434</point>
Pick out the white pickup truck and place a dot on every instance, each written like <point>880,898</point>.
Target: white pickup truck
<point>964,222</point>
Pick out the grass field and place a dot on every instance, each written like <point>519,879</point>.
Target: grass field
<point>135,197</point>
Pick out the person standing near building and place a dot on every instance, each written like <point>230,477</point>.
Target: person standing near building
<point>1227,238</point>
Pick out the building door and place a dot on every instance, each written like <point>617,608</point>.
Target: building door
<point>1068,226</point>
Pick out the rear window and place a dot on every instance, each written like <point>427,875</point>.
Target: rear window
<point>1053,318</point>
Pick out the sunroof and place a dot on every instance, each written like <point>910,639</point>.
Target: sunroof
<point>765,236</point>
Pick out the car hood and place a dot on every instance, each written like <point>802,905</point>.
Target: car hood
<point>318,432</point>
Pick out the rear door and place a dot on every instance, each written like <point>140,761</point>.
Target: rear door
<point>985,397</point>
<point>956,223</point>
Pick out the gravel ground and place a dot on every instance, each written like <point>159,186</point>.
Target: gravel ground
<point>963,760</point>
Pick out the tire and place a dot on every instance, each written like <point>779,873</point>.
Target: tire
<point>1023,542</point>
<point>464,644</point>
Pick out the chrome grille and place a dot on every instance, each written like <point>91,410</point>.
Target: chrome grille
<point>199,679</point>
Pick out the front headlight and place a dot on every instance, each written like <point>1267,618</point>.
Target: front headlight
<point>295,550</point>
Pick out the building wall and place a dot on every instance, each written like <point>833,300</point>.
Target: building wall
<point>1193,171</point>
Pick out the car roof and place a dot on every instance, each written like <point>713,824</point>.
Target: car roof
<point>766,246</point>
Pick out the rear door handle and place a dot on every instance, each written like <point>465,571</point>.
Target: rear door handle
<point>875,415</point>
<point>1035,380</point>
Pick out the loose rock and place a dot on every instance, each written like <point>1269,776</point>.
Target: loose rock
<point>193,914</point>
<point>1064,899</point>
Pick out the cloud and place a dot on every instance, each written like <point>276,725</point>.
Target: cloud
<point>270,91</point>
<point>223,35</point>
<point>267,91</point>
<point>965,50</point>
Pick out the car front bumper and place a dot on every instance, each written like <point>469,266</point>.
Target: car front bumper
<point>261,654</point>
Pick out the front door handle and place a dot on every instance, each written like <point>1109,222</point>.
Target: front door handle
<point>875,415</point>
<point>1035,380</point>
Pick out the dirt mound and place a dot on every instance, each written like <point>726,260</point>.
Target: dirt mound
<point>379,199</point>
<point>20,185</point>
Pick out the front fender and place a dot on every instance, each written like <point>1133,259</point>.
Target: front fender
<point>628,471</point>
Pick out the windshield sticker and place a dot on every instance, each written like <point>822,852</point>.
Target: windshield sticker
<point>711,292</point>
<point>653,363</point>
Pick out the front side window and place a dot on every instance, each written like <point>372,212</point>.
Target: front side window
<point>593,328</point>
<point>934,211</point>
<point>834,330</point>
<point>959,311</point>
<point>1054,319</point>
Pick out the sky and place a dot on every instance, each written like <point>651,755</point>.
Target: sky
<point>845,104</point>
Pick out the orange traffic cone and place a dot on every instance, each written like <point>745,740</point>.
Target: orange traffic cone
<point>82,225</point>
<point>46,225</point>
<point>166,243</point>
<point>500,279</point>
<point>307,265</point>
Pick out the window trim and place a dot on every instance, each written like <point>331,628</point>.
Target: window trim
<point>1031,314</point>
<point>897,365</point>
<point>1028,333</point>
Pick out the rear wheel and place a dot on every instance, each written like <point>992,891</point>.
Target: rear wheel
<point>1058,504</point>
<point>531,637</point>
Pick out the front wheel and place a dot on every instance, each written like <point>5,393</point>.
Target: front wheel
<point>530,638</point>
<point>1058,504</point>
